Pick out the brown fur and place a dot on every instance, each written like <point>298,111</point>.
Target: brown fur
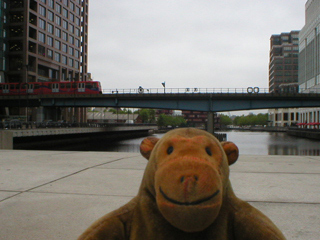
<point>185,194</point>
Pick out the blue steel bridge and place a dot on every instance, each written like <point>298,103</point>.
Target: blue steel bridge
<point>198,99</point>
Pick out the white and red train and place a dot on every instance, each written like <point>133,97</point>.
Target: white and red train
<point>34,88</point>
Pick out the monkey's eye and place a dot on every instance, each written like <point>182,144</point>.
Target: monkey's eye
<point>170,150</point>
<point>208,151</point>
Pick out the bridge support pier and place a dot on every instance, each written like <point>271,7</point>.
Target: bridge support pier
<point>210,122</point>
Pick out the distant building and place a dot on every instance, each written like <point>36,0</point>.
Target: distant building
<point>101,115</point>
<point>309,58</point>
<point>44,40</point>
<point>283,74</point>
<point>199,119</point>
<point>283,65</point>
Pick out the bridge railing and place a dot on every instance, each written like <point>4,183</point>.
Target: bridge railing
<point>248,90</point>
<point>141,90</point>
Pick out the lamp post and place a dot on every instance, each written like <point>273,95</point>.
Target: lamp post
<point>164,86</point>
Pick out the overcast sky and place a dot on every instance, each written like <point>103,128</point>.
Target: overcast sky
<point>186,43</point>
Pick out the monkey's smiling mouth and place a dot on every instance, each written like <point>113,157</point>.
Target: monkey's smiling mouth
<point>189,203</point>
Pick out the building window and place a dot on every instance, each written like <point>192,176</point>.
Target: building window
<point>50,16</point>
<point>41,37</point>
<point>57,57</point>
<point>76,53</point>
<point>58,20</point>
<point>65,12</point>
<point>65,2</point>
<point>77,43</point>
<point>65,24</point>
<point>77,10</point>
<point>57,44</point>
<point>70,62</point>
<point>65,36</point>
<point>77,32</point>
<point>71,17</point>
<point>72,6</point>
<point>78,21</point>
<point>42,24</point>
<point>44,1</point>
<point>50,54</point>
<point>76,64</point>
<point>50,41</point>
<point>42,11</point>
<point>41,50</point>
<point>71,39</point>
<point>71,50</point>
<point>50,3</point>
<point>58,8</point>
<point>58,32</point>
<point>64,47</point>
<point>71,28</point>
<point>64,59</point>
<point>50,28</point>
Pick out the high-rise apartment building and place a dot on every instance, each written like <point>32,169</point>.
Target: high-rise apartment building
<point>309,54</point>
<point>283,65</point>
<point>309,58</point>
<point>44,40</point>
<point>283,74</point>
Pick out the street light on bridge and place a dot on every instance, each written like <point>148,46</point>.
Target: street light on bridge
<point>164,86</point>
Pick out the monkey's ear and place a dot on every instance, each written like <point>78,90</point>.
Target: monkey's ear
<point>231,151</point>
<point>147,146</point>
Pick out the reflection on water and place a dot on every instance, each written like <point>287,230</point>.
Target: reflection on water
<point>271,143</point>
<point>249,143</point>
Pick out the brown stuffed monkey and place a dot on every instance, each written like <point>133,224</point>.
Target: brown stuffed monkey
<point>185,194</point>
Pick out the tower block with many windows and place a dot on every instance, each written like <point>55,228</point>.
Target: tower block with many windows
<point>47,41</point>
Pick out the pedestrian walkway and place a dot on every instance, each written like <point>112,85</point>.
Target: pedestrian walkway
<point>56,195</point>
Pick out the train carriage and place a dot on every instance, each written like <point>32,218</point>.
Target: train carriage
<point>34,88</point>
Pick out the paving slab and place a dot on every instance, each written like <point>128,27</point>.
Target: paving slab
<point>42,216</point>
<point>57,194</point>
<point>296,221</point>
<point>97,181</point>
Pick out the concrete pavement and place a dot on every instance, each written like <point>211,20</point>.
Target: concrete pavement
<point>56,195</point>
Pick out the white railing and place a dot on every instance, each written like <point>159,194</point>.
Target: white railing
<point>249,90</point>
<point>184,90</point>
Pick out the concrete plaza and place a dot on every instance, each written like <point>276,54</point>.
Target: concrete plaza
<point>56,195</point>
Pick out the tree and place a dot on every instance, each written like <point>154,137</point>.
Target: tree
<point>251,120</point>
<point>147,115</point>
<point>225,120</point>
<point>166,120</point>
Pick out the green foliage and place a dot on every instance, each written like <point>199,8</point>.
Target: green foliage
<point>251,120</point>
<point>120,111</point>
<point>166,120</point>
<point>225,120</point>
<point>147,115</point>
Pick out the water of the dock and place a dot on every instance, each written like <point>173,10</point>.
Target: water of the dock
<point>57,195</point>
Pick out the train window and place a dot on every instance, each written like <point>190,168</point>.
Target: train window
<point>94,85</point>
<point>36,86</point>
<point>62,85</point>
<point>12,86</point>
<point>50,86</point>
<point>68,85</point>
<point>55,87</point>
<point>0,86</point>
<point>88,85</point>
<point>81,87</point>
